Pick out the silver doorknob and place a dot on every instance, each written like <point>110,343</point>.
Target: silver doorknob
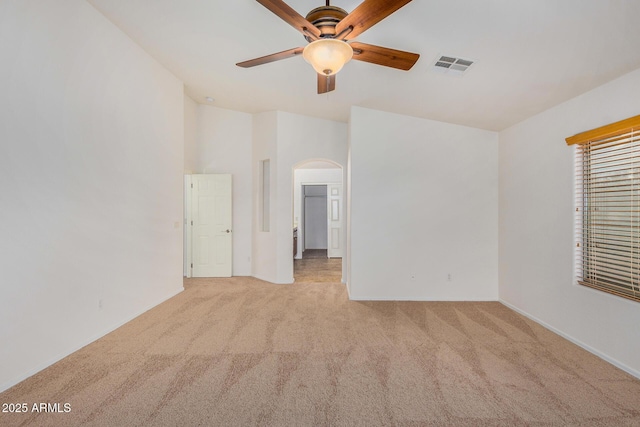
<point>228,231</point>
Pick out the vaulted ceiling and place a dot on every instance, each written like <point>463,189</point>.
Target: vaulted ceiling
<point>529,55</point>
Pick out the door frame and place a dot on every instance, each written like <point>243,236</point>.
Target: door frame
<point>344,181</point>
<point>188,224</point>
<point>303,214</point>
<point>330,221</point>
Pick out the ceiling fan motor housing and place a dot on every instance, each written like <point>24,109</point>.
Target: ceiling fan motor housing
<point>325,18</point>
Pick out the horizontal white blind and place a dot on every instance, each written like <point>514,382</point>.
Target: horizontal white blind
<point>608,214</point>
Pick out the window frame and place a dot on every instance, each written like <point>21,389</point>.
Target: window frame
<point>608,146</point>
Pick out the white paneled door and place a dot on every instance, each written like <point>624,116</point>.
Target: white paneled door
<point>211,231</point>
<point>334,221</point>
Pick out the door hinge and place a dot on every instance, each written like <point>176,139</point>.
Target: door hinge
<point>191,265</point>
<point>192,185</point>
<point>191,222</point>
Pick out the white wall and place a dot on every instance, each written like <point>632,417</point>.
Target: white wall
<point>424,205</point>
<point>224,146</point>
<point>190,136</point>
<point>287,140</point>
<point>310,176</point>
<point>537,225</point>
<point>300,138</point>
<point>91,162</point>
<point>264,146</point>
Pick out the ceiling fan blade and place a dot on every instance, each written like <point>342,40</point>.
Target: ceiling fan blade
<point>271,58</point>
<point>369,13</point>
<point>290,16</point>
<point>384,56</point>
<point>326,83</point>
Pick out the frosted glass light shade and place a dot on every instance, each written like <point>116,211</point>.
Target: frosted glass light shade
<point>327,56</point>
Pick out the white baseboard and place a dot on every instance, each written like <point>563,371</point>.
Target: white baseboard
<point>24,375</point>
<point>577,342</point>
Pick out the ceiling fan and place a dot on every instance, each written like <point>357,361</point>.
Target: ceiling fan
<point>329,29</point>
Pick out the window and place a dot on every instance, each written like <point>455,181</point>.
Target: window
<point>608,208</point>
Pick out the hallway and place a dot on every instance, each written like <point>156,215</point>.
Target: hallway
<point>315,267</point>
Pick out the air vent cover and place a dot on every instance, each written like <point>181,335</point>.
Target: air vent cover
<point>451,65</point>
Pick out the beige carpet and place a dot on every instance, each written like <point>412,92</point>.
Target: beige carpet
<point>242,352</point>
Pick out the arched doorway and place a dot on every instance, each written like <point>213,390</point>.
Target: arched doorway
<point>318,221</point>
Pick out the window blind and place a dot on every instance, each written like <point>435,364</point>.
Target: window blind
<point>608,211</point>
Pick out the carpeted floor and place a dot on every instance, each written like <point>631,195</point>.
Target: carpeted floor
<point>238,352</point>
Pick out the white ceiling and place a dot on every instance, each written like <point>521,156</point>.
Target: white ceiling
<point>531,55</point>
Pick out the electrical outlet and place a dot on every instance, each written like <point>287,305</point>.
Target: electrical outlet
<point>100,304</point>
<point>449,277</point>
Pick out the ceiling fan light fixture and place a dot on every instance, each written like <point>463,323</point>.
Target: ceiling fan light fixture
<point>327,56</point>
